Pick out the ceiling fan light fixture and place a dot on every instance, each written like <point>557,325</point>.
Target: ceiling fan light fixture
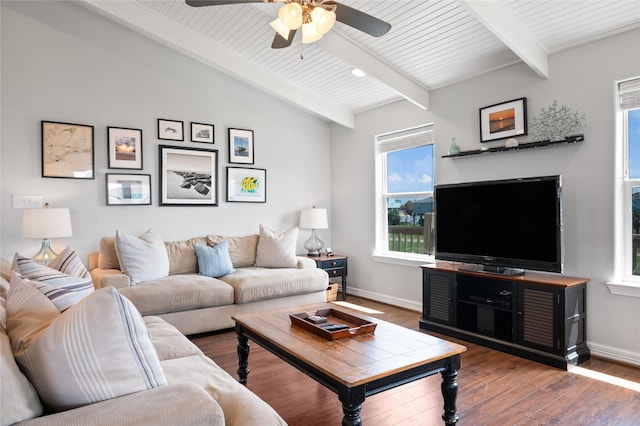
<point>280,28</point>
<point>290,15</point>
<point>310,33</point>
<point>324,19</point>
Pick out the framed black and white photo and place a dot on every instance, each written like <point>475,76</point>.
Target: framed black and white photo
<point>67,150</point>
<point>128,189</point>
<point>503,120</point>
<point>170,130</point>
<point>246,185</point>
<point>201,132</point>
<point>188,176</point>
<point>125,148</point>
<point>240,146</point>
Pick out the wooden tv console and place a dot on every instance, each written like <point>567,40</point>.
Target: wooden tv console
<point>537,316</point>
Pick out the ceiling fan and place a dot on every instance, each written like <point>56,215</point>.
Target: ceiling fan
<point>314,17</point>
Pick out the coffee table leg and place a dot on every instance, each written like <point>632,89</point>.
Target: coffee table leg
<point>450,391</point>
<point>352,400</point>
<point>243,357</point>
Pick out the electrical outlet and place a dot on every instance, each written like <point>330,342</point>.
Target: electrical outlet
<point>27,201</point>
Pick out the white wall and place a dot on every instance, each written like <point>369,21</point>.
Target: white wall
<point>582,78</point>
<point>61,62</point>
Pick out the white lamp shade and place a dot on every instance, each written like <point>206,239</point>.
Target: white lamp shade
<point>314,219</point>
<point>46,223</point>
<point>310,33</point>
<point>324,19</point>
<point>291,15</point>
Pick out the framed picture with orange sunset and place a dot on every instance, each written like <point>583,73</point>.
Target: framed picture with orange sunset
<point>503,120</point>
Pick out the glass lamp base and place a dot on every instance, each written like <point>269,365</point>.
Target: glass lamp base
<point>313,244</point>
<point>45,255</point>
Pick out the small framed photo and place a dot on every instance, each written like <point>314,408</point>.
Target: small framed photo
<point>67,150</point>
<point>170,130</point>
<point>246,185</point>
<point>188,176</point>
<point>125,148</point>
<point>201,132</point>
<point>240,146</point>
<point>128,190</point>
<point>504,120</point>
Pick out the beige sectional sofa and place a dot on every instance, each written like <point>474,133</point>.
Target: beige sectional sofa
<point>268,275</point>
<point>191,389</point>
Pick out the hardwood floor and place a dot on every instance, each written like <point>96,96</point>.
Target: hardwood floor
<point>494,388</point>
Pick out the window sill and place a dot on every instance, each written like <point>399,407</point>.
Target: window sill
<point>405,259</point>
<point>624,288</point>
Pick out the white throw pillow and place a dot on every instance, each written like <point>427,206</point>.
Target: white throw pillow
<point>277,249</point>
<point>65,283</point>
<point>142,258</point>
<point>96,350</point>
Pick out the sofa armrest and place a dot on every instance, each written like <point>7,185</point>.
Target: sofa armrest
<point>305,263</point>
<point>176,404</point>
<point>109,277</point>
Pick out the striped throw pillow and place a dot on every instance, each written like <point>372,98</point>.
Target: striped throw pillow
<point>61,287</point>
<point>96,350</point>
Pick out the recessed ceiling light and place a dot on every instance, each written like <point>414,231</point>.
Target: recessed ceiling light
<point>358,72</point>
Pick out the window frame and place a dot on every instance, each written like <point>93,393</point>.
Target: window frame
<point>381,245</point>
<point>628,185</point>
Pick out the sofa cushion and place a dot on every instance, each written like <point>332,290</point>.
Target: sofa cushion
<point>277,249</point>
<point>19,398</point>
<point>214,261</point>
<point>168,341</point>
<point>242,250</point>
<point>107,256</point>
<point>239,404</point>
<point>177,293</point>
<point>182,255</point>
<point>61,288</point>
<point>142,258</point>
<point>96,350</point>
<point>254,283</point>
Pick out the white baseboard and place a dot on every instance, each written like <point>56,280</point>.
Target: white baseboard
<point>601,351</point>
<point>385,298</point>
<point>614,354</point>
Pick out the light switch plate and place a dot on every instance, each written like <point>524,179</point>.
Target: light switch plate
<point>27,201</point>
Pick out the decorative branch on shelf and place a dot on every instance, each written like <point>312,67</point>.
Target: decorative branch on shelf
<point>556,122</point>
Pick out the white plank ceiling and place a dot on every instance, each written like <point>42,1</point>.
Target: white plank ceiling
<point>431,44</point>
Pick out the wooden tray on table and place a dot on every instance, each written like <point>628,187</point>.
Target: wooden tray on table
<point>353,325</point>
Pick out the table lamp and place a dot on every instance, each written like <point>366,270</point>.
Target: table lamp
<point>313,219</point>
<point>46,223</point>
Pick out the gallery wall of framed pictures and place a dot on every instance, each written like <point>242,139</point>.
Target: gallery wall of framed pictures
<point>187,175</point>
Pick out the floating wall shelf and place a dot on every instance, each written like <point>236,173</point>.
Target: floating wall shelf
<point>525,145</point>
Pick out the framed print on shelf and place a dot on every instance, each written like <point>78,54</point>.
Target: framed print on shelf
<point>504,120</point>
<point>201,132</point>
<point>125,148</point>
<point>188,176</point>
<point>67,150</point>
<point>240,146</point>
<point>128,190</point>
<point>246,185</point>
<point>170,130</point>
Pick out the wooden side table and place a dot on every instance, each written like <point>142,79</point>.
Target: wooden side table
<point>336,266</point>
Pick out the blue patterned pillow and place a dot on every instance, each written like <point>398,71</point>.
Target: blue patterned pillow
<point>214,261</point>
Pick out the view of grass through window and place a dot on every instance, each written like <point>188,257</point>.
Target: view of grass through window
<point>410,200</point>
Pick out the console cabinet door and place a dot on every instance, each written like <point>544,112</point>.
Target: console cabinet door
<point>538,324</point>
<point>437,293</point>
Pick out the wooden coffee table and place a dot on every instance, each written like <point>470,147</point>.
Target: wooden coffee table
<point>353,367</point>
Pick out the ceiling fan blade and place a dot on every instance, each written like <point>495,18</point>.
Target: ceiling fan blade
<point>201,3</point>
<point>360,20</point>
<point>280,42</point>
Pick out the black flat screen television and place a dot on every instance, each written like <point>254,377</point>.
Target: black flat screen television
<point>505,226</point>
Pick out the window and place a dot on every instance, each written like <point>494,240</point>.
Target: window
<point>404,188</point>
<point>629,95</point>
